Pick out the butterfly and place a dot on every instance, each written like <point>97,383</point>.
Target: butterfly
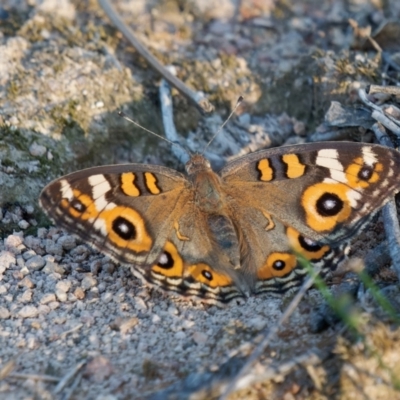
<point>222,236</point>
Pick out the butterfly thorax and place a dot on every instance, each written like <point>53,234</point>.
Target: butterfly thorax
<point>206,184</point>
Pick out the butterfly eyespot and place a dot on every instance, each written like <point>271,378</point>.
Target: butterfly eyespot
<point>329,204</point>
<point>305,246</point>
<point>276,265</point>
<point>165,261</point>
<point>361,174</point>
<point>204,274</point>
<point>207,275</point>
<point>365,173</point>
<point>124,228</point>
<point>309,244</point>
<point>170,263</point>
<point>279,265</point>
<point>78,206</point>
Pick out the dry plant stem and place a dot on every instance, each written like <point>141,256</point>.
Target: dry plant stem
<point>72,388</point>
<point>389,211</point>
<point>339,134</point>
<point>363,97</point>
<point>168,121</point>
<point>309,359</point>
<point>68,376</point>
<point>268,336</point>
<point>384,120</point>
<point>395,90</point>
<point>34,377</point>
<point>378,114</point>
<point>72,330</point>
<point>202,104</point>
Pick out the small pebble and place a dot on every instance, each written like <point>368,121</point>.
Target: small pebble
<point>88,282</point>
<point>200,338</point>
<point>47,298</point>
<point>4,313</point>
<point>13,241</point>
<point>37,150</point>
<point>25,297</point>
<point>67,242</point>
<point>28,254</point>
<point>63,285</point>
<point>128,324</point>
<point>61,296</point>
<point>26,282</point>
<point>6,260</point>
<point>180,335</point>
<point>107,297</point>
<point>23,224</point>
<point>53,248</point>
<point>79,293</point>
<point>28,312</point>
<point>35,263</point>
<point>52,267</point>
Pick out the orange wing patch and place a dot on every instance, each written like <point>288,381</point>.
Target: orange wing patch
<point>125,228</point>
<point>128,184</point>
<point>304,246</point>
<point>265,169</point>
<point>151,183</point>
<point>277,265</point>
<point>206,275</point>
<point>360,176</point>
<point>295,169</point>
<point>326,205</point>
<point>170,263</point>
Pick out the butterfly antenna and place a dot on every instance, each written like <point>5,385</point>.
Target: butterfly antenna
<point>239,101</point>
<point>122,114</point>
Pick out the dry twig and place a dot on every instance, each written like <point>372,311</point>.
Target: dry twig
<point>201,103</point>
<point>34,377</point>
<point>393,90</point>
<point>68,376</point>
<point>168,121</point>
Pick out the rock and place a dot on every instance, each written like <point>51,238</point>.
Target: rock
<point>6,260</point>
<point>28,312</point>
<point>35,263</point>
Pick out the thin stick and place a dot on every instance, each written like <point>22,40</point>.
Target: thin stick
<point>74,329</point>
<point>386,121</point>
<point>269,335</point>
<point>263,374</point>
<point>34,377</point>
<point>201,103</point>
<point>395,90</point>
<point>240,99</point>
<point>68,376</point>
<point>378,114</point>
<point>168,120</point>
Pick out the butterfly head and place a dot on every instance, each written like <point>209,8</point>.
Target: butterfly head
<point>197,163</point>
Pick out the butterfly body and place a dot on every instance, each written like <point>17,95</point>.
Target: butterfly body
<point>222,236</point>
